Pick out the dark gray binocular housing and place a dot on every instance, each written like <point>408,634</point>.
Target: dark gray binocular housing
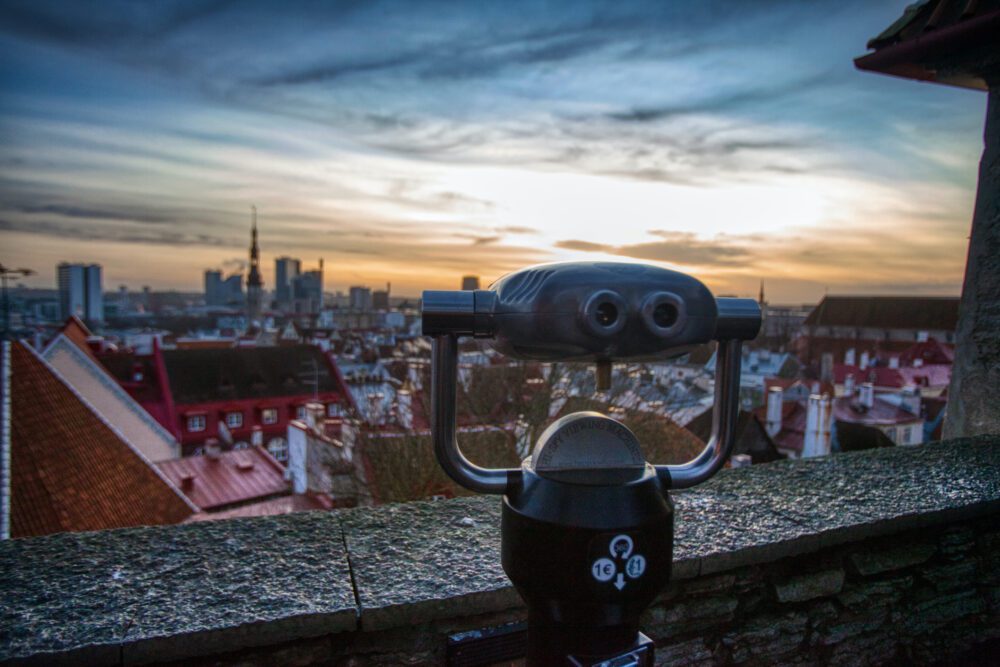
<point>587,533</point>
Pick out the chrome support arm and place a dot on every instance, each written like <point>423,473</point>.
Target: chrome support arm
<point>724,413</point>
<point>444,382</point>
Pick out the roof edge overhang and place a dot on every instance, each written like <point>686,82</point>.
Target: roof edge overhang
<point>920,58</point>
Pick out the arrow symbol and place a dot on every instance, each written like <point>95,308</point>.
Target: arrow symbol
<point>620,581</point>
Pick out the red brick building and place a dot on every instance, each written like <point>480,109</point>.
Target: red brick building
<point>199,394</point>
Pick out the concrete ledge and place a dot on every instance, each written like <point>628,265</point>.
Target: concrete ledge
<point>171,593</point>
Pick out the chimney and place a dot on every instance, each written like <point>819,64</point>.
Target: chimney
<point>911,399</point>
<point>257,437</point>
<point>826,367</point>
<point>922,336</point>
<point>314,416</point>
<point>298,443</point>
<point>775,398</point>
<point>864,360</point>
<point>849,385</point>
<point>849,357</point>
<point>212,449</point>
<point>404,409</point>
<point>817,435</point>
<point>893,362</point>
<point>867,395</point>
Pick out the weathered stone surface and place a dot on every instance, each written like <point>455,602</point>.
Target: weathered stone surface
<point>768,638</point>
<point>810,586</point>
<point>927,616</point>
<point>766,512</point>
<point>693,615</point>
<point>876,561</point>
<point>419,569</point>
<point>868,594</point>
<point>693,653</point>
<point>955,543</point>
<point>973,407</point>
<point>167,592</point>
<point>421,561</point>
<point>952,576</point>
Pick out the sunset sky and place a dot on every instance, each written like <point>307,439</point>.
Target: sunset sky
<point>415,142</point>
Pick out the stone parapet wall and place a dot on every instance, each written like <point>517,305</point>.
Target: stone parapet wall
<point>866,558</point>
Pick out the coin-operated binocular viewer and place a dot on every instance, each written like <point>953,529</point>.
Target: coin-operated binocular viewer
<point>587,523</point>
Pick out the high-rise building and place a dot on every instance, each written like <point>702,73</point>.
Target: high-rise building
<point>214,293</point>
<point>232,290</point>
<point>470,282</point>
<point>286,270</point>
<point>255,284</point>
<point>360,298</point>
<point>80,292</point>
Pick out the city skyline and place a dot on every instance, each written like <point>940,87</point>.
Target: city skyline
<point>416,144</point>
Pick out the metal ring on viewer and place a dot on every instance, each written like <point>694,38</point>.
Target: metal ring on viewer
<point>605,313</point>
<point>664,314</point>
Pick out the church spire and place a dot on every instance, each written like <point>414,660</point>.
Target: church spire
<point>760,299</point>
<point>255,284</point>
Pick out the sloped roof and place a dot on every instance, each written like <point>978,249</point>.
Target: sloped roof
<point>930,33</point>
<point>69,470</point>
<point>198,376</point>
<point>930,351</point>
<point>882,413</point>
<point>235,477</point>
<point>923,313</point>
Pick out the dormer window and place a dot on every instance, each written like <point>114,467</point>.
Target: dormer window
<point>269,416</point>
<point>196,423</point>
<point>234,419</point>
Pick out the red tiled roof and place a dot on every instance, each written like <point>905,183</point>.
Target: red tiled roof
<point>925,313</point>
<point>930,352</point>
<point>236,477</point>
<point>880,376</point>
<point>69,470</point>
<point>791,437</point>
<point>275,506</point>
<point>882,413</point>
<point>931,375</point>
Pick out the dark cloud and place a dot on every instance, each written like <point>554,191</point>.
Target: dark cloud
<point>71,211</point>
<point>82,232</point>
<point>515,229</point>
<point>726,102</point>
<point>675,248</point>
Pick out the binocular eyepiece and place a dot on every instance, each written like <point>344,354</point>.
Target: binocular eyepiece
<point>591,311</point>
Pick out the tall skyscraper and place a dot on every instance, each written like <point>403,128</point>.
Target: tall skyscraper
<point>80,292</point>
<point>286,270</point>
<point>470,282</point>
<point>214,293</point>
<point>361,298</point>
<point>255,284</point>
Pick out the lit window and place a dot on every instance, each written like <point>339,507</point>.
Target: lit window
<point>234,419</point>
<point>269,415</point>
<point>278,449</point>
<point>333,410</point>
<point>196,423</point>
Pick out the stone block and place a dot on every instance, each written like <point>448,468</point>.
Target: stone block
<point>810,586</point>
<point>767,638</point>
<point>864,594</point>
<point>951,577</point>
<point>422,561</point>
<point>692,615</point>
<point>693,653</point>
<point>928,616</point>
<point>876,561</point>
<point>956,542</point>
